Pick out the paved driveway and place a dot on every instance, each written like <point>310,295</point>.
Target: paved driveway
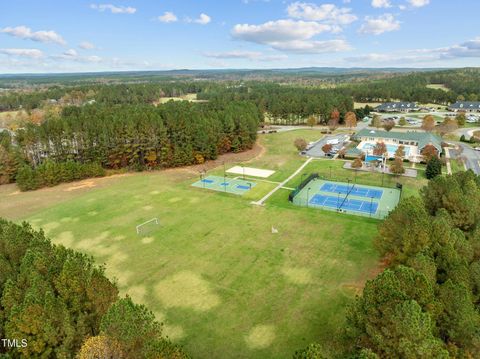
<point>472,157</point>
<point>316,149</point>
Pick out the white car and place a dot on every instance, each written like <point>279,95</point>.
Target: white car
<point>477,148</point>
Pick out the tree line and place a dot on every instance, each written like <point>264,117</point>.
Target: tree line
<point>58,304</point>
<point>135,137</point>
<point>284,105</point>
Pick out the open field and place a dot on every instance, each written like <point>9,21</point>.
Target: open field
<point>438,87</point>
<point>357,105</point>
<point>191,97</point>
<point>213,272</point>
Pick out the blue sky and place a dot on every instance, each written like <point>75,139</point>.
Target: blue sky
<point>71,36</point>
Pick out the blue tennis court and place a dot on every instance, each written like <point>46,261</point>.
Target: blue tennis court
<point>356,191</point>
<point>348,204</point>
<point>225,184</point>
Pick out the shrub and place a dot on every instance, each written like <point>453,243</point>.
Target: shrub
<point>434,168</point>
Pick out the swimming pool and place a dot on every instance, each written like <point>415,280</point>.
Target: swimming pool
<point>367,146</point>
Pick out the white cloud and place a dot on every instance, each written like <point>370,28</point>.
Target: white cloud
<point>30,53</point>
<point>24,32</point>
<point>203,19</point>
<point>379,25</point>
<point>249,55</point>
<point>290,35</point>
<point>467,49</point>
<point>381,3</point>
<point>419,3</point>
<point>328,13</point>
<point>167,17</point>
<point>280,30</point>
<point>114,9</point>
<point>86,45</point>
<point>72,55</point>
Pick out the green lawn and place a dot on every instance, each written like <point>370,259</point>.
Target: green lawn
<point>213,272</point>
<point>456,165</point>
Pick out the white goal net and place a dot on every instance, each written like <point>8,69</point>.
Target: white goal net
<point>147,226</point>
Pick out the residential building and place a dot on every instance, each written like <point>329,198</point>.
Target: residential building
<point>466,106</point>
<point>397,107</point>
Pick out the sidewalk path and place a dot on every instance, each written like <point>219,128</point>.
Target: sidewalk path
<point>261,202</point>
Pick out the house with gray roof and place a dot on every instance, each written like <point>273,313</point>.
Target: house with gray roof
<point>413,142</point>
<point>466,106</point>
<point>397,107</point>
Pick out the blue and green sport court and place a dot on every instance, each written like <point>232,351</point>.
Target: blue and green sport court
<point>225,184</point>
<point>351,198</point>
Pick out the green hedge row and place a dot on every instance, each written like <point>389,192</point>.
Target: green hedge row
<point>52,173</point>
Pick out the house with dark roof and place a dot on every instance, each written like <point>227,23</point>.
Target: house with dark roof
<point>413,142</point>
<point>397,107</point>
<point>466,106</point>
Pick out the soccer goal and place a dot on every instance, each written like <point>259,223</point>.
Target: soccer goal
<point>147,226</point>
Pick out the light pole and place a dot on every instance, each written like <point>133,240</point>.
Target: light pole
<point>330,172</point>
<point>338,201</point>
<point>243,168</point>
<point>308,191</point>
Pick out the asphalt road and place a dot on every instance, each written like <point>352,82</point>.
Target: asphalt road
<point>316,149</point>
<point>472,157</point>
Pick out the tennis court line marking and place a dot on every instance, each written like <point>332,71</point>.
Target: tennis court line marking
<point>261,202</point>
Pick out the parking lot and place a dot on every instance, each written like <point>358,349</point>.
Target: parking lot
<point>315,149</point>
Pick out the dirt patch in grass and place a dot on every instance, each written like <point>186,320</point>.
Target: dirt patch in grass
<point>83,184</point>
<point>297,275</point>
<point>137,292</point>
<point>357,287</point>
<point>187,290</point>
<point>173,332</point>
<point>260,337</point>
<point>65,238</point>
<point>147,240</point>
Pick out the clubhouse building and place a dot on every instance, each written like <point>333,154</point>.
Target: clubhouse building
<point>465,106</point>
<point>397,107</point>
<point>414,142</point>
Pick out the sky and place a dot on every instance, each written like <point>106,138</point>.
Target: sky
<point>46,36</point>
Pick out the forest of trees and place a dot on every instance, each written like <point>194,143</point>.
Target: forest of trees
<point>284,105</point>
<point>281,100</point>
<point>460,84</point>
<point>136,137</point>
<point>62,304</point>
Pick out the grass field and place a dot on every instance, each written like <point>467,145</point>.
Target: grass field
<point>213,272</point>
<point>191,97</point>
<point>438,87</point>
<point>357,105</point>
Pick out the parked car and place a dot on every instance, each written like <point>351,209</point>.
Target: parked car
<point>477,148</point>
